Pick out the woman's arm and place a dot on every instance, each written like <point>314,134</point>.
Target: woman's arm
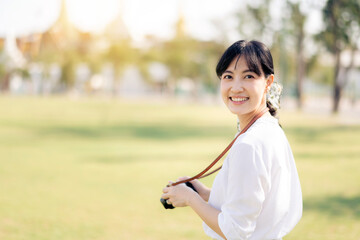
<point>207,213</point>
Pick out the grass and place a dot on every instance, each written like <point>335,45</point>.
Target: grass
<point>94,168</point>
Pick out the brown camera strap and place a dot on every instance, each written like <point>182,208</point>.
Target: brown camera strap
<point>202,174</point>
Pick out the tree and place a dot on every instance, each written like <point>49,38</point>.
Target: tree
<point>256,22</point>
<point>342,24</point>
<point>121,54</point>
<point>297,22</point>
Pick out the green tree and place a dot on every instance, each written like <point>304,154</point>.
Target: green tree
<point>187,57</point>
<point>297,22</point>
<point>257,21</point>
<point>121,53</point>
<point>342,24</point>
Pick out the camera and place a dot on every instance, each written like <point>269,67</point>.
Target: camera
<point>170,206</point>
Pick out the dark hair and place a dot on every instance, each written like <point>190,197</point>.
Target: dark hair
<point>257,56</point>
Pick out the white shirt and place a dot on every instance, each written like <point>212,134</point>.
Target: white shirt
<point>258,189</point>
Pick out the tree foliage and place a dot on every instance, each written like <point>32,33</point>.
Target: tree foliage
<point>342,31</point>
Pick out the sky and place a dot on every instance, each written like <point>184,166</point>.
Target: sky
<point>141,17</point>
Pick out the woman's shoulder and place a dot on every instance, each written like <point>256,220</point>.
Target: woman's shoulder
<point>264,132</point>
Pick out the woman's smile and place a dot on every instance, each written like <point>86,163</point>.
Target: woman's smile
<point>238,100</point>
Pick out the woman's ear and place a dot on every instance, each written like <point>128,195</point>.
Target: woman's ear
<point>269,80</point>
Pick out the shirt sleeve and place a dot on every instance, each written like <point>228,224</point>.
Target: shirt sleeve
<point>248,183</point>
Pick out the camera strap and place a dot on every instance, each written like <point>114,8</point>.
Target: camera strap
<point>202,174</point>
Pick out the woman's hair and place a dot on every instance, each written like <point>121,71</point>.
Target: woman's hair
<point>257,56</point>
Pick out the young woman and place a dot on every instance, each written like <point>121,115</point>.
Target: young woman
<point>256,194</point>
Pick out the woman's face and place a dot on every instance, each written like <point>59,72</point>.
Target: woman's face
<point>243,91</point>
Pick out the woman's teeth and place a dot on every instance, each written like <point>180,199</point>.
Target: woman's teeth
<point>239,99</point>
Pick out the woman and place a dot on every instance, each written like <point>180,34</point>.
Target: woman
<point>256,194</point>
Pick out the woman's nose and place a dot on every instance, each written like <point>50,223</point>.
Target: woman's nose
<point>237,86</point>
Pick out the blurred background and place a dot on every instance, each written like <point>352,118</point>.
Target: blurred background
<point>157,48</point>
<point>105,101</point>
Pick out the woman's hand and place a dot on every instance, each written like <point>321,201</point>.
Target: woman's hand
<point>203,190</point>
<point>179,195</point>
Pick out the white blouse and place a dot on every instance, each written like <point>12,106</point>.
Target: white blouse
<point>258,189</point>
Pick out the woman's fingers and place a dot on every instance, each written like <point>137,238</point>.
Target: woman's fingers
<point>176,195</point>
<point>165,196</point>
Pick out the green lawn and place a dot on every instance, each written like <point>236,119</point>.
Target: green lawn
<point>95,168</point>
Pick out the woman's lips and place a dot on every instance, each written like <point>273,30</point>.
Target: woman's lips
<point>239,99</point>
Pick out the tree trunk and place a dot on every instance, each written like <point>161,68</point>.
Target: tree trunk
<point>337,84</point>
<point>337,96</point>
<point>298,19</point>
<point>300,69</point>
<point>5,83</point>
<point>341,79</point>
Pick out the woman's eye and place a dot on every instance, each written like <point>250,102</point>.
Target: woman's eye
<point>227,77</point>
<point>249,76</point>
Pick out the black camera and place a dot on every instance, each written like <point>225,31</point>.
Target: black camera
<point>170,206</point>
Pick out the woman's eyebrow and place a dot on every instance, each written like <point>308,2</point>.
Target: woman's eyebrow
<point>248,71</point>
<point>228,71</point>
